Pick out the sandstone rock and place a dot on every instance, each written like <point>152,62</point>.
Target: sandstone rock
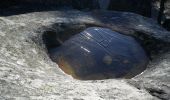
<point>27,72</point>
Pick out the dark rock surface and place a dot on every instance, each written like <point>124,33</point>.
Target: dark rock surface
<point>167,9</point>
<point>142,7</point>
<point>155,9</point>
<point>13,7</point>
<point>167,15</point>
<point>27,72</point>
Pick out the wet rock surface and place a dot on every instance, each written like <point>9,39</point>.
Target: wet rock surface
<point>27,72</point>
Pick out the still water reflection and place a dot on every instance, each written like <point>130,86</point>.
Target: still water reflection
<point>99,53</point>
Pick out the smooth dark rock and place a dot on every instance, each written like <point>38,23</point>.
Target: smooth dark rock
<point>99,53</point>
<point>166,24</point>
<point>167,15</point>
<point>142,7</point>
<point>13,7</point>
<point>104,4</point>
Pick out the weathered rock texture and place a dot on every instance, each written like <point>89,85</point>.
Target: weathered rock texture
<point>156,79</point>
<point>28,73</point>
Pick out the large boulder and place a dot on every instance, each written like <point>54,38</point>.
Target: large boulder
<point>27,72</point>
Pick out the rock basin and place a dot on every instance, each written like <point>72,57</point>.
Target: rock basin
<point>100,53</point>
<point>27,73</point>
